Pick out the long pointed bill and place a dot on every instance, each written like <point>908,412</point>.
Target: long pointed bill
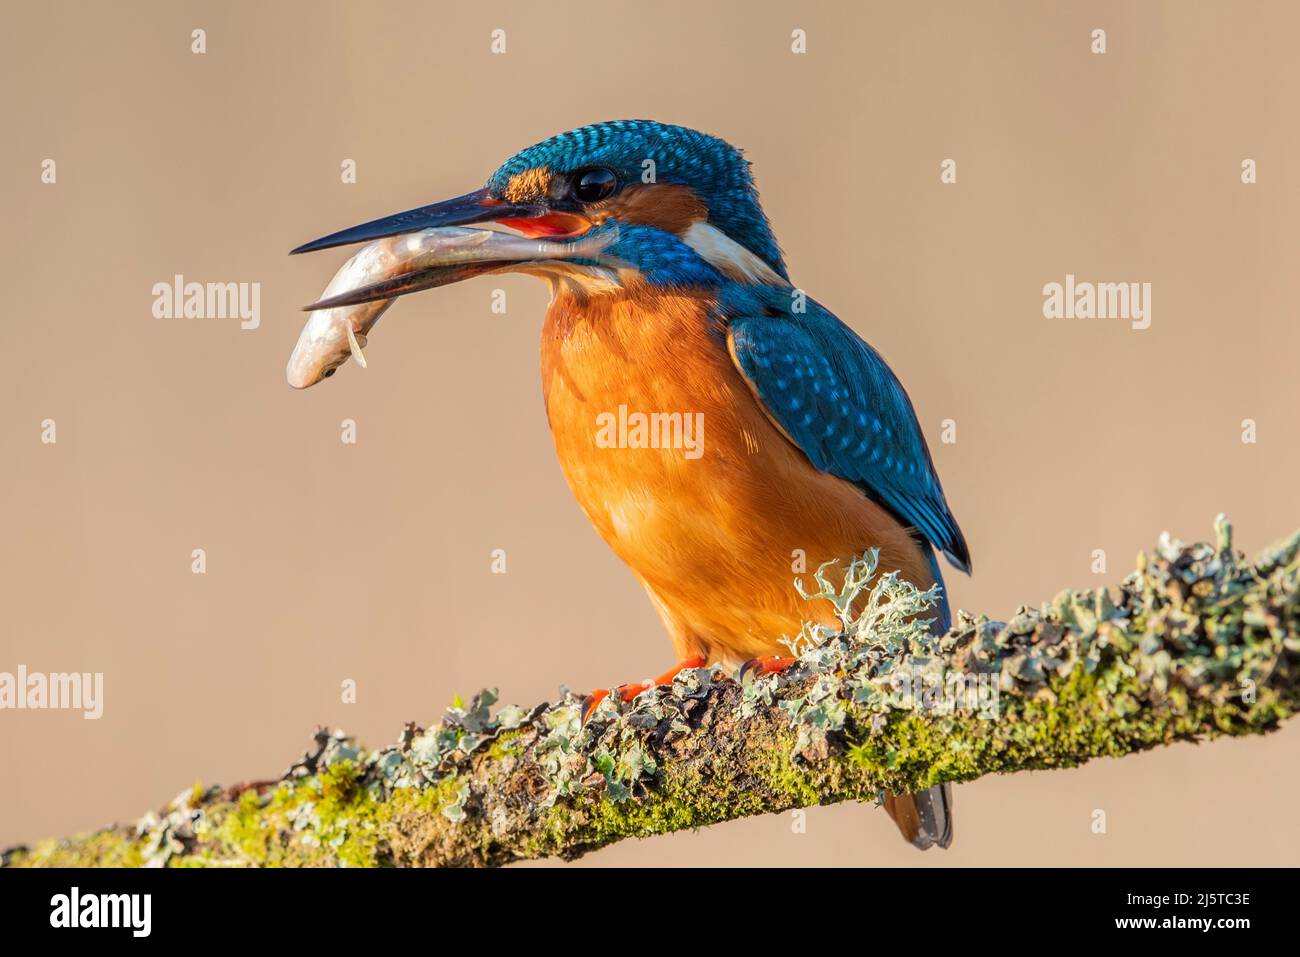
<point>439,257</point>
<point>475,207</point>
<point>381,271</point>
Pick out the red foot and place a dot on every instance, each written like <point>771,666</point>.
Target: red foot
<point>592,701</point>
<point>769,665</point>
<point>629,691</point>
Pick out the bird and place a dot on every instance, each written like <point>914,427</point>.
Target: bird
<point>671,304</point>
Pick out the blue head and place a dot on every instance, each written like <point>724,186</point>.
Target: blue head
<point>644,173</point>
<point>683,202</point>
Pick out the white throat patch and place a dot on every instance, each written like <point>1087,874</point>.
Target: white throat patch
<point>729,257</point>
<point>581,279</point>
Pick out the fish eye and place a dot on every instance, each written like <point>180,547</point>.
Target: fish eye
<point>593,185</point>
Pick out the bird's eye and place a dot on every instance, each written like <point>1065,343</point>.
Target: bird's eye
<point>593,185</point>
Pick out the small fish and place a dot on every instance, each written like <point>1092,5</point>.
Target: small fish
<point>367,284</point>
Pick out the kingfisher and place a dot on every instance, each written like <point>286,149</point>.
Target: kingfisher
<point>671,297</point>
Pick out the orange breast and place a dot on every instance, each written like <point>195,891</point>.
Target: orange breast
<point>682,474</point>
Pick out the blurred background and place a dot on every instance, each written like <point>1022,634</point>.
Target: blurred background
<point>372,561</point>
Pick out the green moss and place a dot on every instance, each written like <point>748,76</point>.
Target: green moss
<point>108,848</point>
<point>781,775</point>
<point>684,799</point>
<point>506,745</point>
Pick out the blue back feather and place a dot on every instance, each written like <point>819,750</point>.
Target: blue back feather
<point>845,409</point>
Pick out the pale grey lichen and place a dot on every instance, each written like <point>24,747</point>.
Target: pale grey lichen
<point>882,632</point>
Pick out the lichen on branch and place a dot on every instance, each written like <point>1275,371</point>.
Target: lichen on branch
<point>1198,642</point>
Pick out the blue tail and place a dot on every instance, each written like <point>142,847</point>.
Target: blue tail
<point>944,621</point>
<point>925,818</point>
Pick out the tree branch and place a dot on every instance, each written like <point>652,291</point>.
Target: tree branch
<point>1197,643</point>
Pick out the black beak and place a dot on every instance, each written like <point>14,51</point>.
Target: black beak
<point>475,207</point>
<point>404,284</point>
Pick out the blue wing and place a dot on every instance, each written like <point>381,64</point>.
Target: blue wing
<point>839,402</point>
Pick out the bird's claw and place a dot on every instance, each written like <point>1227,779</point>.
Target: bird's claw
<point>628,692</point>
<point>767,665</point>
<point>592,702</point>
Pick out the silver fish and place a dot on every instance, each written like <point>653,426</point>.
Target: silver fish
<point>368,283</point>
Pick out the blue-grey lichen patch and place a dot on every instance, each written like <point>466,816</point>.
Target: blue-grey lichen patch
<point>1196,642</point>
<point>559,752</point>
<point>1195,621</point>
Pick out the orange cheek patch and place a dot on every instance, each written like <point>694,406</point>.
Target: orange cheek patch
<point>667,206</point>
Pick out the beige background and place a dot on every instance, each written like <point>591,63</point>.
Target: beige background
<point>371,561</point>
